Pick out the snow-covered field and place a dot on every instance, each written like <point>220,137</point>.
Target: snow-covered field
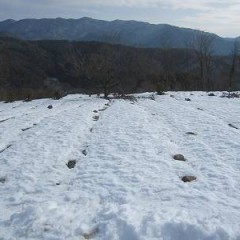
<point>125,184</point>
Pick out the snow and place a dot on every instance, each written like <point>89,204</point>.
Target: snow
<point>125,184</point>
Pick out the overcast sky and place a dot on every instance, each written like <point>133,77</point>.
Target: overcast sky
<point>218,16</point>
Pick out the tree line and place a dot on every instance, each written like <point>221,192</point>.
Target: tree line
<point>47,68</point>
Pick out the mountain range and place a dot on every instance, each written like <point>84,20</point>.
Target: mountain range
<point>129,33</point>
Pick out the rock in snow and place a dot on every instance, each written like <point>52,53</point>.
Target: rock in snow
<point>71,164</point>
<point>179,157</point>
<point>188,178</point>
<point>2,180</point>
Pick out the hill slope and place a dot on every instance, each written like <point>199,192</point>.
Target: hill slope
<point>131,33</point>
<point>125,184</point>
<point>51,65</point>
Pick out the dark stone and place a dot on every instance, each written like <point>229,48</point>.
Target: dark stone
<point>189,178</point>
<point>50,107</point>
<point>2,180</point>
<point>71,164</point>
<point>84,152</point>
<point>191,133</point>
<point>95,111</point>
<point>179,157</point>
<point>187,99</point>
<point>211,94</point>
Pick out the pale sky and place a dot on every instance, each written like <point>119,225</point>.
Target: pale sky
<point>218,16</point>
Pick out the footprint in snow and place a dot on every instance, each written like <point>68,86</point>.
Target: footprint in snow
<point>95,118</point>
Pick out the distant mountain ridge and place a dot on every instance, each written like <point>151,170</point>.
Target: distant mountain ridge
<point>130,33</point>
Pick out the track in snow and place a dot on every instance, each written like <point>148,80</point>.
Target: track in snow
<point>125,184</point>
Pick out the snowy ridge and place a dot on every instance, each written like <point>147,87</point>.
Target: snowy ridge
<point>125,184</point>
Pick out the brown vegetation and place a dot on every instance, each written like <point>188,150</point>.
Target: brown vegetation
<point>30,70</point>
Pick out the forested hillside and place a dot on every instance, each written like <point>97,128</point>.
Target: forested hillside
<point>41,68</point>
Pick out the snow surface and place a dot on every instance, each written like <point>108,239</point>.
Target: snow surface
<point>125,185</point>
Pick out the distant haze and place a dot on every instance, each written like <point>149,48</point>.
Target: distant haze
<point>130,33</point>
<point>218,16</point>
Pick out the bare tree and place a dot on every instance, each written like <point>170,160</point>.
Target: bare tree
<point>167,73</point>
<point>234,59</point>
<point>100,70</point>
<point>203,45</point>
<point>5,66</point>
